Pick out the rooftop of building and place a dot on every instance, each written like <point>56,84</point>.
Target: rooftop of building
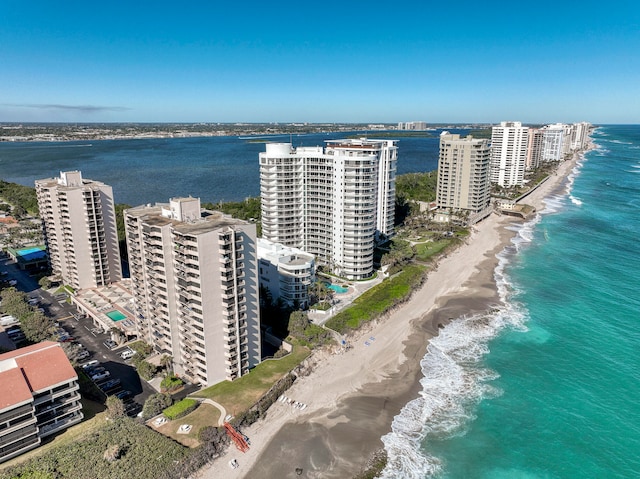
<point>101,301</point>
<point>209,221</point>
<point>278,253</point>
<point>32,369</point>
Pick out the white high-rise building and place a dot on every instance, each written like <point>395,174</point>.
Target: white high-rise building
<point>195,284</point>
<point>508,153</point>
<point>580,135</point>
<point>552,141</point>
<point>463,173</point>
<point>330,202</point>
<point>79,223</point>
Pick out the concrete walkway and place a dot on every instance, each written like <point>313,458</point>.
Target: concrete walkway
<point>223,411</point>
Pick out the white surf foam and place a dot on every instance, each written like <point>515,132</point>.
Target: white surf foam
<point>454,381</point>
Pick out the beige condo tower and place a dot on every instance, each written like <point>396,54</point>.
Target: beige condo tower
<point>463,173</point>
<point>79,223</point>
<point>195,284</point>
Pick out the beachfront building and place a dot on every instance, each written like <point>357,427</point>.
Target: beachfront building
<point>545,144</point>
<point>195,287</point>
<point>79,224</point>
<point>39,397</point>
<point>552,141</point>
<point>509,153</point>
<point>286,273</point>
<point>332,202</point>
<point>463,174</point>
<point>580,135</point>
<point>535,146</point>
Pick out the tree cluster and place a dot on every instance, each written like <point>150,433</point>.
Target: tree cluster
<point>23,198</point>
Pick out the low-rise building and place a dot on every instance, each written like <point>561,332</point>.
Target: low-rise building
<point>39,397</point>
<point>285,272</point>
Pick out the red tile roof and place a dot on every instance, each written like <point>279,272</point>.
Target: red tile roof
<point>14,388</point>
<point>37,367</point>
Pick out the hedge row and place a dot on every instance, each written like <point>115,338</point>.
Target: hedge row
<point>180,409</point>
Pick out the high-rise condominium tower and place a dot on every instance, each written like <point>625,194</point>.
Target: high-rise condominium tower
<point>79,224</point>
<point>195,283</point>
<point>330,202</point>
<point>508,153</point>
<point>463,173</point>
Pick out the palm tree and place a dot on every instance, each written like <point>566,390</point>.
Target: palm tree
<point>166,362</point>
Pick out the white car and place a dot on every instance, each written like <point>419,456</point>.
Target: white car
<point>12,282</point>
<point>99,376</point>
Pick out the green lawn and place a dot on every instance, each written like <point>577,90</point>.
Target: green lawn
<point>426,251</point>
<point>239,395</point>
<point>204,415</point>
<point>377,300</point>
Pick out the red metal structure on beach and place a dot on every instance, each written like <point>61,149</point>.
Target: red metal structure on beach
<point>237,438</point>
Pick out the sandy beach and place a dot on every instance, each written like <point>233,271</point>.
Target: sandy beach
<point>352,397</point>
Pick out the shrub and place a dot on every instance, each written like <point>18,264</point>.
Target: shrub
<point>155,404</point>
<point>171,383</point>
<point>143,349</point>
<point>146,370</point>
<point>180,409</point>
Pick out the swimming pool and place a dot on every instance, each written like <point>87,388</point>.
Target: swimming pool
<point>337,288</point>
<point>116,315</point>
<point>26,251</point>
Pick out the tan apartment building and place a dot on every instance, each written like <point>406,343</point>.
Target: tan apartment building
<point>463,174</point>
<point>79,224</point>
<point>39,397</point>
<point>195,285</point>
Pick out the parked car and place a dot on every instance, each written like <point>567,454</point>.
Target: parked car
<point>127,354</point>
<point>84,354</point>
<point>8,320</point>
<point>124,395</point>
<point>110,344</point>
<point>110,384</point>
<point>99,376</point>
<point>12,282</point>
<point>14,332</point>
<point>90,364</point>
<point>95,370</point>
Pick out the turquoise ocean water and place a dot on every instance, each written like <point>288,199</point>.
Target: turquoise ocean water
<point>549,385</point>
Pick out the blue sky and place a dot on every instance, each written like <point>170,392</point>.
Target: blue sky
<point>349,61</point>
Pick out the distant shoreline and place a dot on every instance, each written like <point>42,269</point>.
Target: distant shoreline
<point>43,132</point>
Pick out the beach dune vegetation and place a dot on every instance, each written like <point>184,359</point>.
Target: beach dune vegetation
<point>379,299</point>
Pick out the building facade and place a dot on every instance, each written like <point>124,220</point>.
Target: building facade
<point>463,173</point>
<point>39,397</point>
<point>79,224</point>
<point>509,153</point>
<point>332,202</point>
<point>552,142</point>
<point>535,145</point>
<point>285,272</point>
<point>195,286</point>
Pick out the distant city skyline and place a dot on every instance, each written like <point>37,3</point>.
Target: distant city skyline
<point>334,62</point>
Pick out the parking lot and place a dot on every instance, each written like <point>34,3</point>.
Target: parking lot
<point>82,331</point>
